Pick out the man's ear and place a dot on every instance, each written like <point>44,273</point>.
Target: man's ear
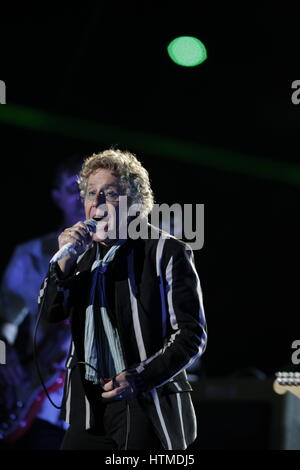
<point>56,197</point>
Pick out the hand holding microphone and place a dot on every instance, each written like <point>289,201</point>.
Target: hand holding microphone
<point>72,243</point>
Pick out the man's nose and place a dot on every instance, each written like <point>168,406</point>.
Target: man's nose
<point>99,199</point>
<point>101,207</point>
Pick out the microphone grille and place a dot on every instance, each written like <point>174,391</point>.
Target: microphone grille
<point>91,224</point>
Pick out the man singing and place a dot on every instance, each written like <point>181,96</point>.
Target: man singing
<point>137,317</point>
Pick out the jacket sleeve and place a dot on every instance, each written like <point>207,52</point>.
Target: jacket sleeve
<point>53,295</point>
<point>182,301</point>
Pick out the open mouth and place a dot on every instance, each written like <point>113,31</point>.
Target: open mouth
<point>99,218</point>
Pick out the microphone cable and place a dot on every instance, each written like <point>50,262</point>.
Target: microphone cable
<point>35,355</point>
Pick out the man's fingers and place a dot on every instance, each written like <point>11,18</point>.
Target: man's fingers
<point>108,386</point>
<point>104,381</point>
<point>109,394</point>
<point>113,393</point>
<point>118,387</point>
<point>78,234</point>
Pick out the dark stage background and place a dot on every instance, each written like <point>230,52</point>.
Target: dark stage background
<point>104,64</point>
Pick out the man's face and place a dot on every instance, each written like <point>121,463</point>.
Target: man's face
<point>67,198</point>
<point>101,202</point>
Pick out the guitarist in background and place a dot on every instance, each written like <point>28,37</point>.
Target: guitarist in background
<point>19,291</point>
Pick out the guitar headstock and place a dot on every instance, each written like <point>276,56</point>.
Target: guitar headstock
<point>287,382</point>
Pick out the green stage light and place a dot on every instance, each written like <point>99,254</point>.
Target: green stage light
<point>187,51</point>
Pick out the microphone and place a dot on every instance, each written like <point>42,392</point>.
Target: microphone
<point>91,225</point>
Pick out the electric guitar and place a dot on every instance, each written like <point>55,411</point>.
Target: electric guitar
<point>287,382</point>
<point>20,404</point>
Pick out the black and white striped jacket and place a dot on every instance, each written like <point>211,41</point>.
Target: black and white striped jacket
<point>161,323</point>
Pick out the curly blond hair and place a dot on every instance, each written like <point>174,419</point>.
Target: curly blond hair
<point>134,177</point>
